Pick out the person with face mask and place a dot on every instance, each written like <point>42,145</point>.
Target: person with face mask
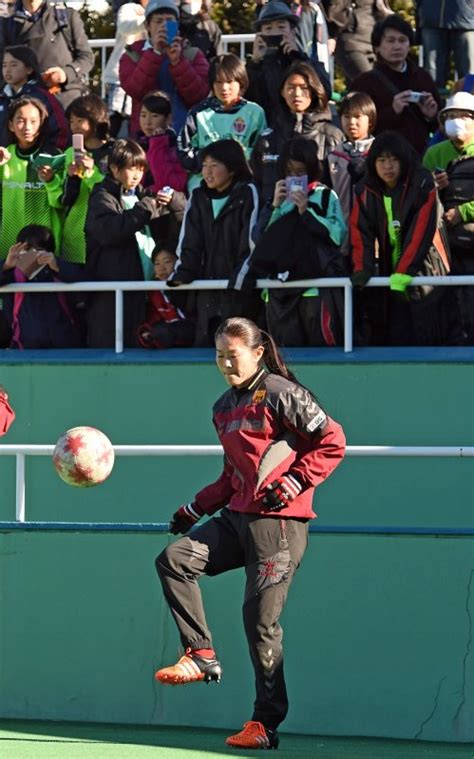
<point>444,159</point>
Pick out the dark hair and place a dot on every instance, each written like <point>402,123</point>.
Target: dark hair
<point>391,143</point>
<point>302,150</point>
<point>168,246</point>
<point>252,336</point>
<point>157,102</point>
<point>37,236</point>
<point>231,68</point>
<point>20,102</point>
<point>27,56</point>
<point>394,21</point>
<point>231,154</point>
<point>359,102</point>
<point>92,108</point>
<point>126,153</point>
<point>319,98</point>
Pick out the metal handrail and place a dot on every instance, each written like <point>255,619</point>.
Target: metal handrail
<point>21,451</point>
<point>222,284</point>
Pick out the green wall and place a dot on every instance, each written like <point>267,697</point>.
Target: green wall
<point>378,629</point>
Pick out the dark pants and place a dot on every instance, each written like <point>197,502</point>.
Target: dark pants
<point>271,550</point>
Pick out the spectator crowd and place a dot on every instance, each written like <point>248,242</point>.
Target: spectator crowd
<point>202,166</point>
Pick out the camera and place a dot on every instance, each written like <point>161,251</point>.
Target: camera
<point>273,40</point>
<point>415,97</point>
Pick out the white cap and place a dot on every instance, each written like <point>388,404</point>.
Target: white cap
<point>460,101</point>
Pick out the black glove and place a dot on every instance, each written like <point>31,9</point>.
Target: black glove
<point>186,516</point>
<point>360,278</point>
<point>281,492</point>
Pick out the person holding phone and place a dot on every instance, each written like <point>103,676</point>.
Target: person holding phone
<point>164,61</point>
<point>275,49</point>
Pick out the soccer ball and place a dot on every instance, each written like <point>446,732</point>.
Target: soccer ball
<point>83,457</point>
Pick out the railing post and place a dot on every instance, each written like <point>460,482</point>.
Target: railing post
<point>119,321</point>
<point>348,306</point>
<point>103,61</point>
<point>20,487</point>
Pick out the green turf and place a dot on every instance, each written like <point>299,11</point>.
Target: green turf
<point>35,740</point>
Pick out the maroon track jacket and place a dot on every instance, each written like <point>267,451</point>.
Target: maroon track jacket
<point>271,427</point>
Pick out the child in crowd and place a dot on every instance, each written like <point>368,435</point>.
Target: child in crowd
<point>216,238</point>
<point>24,199</point>
<point>167,325</point>
<point>347,161</point>
<point>158,140</point>
<point>22,77</point>
<point>302,240</point>
<point>70,188</point>
<point>224,115</point>
<point>119,243</point>
<point>39,320</point>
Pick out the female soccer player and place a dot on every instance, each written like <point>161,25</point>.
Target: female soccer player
<point>279,444</point>
<point>7,415</point>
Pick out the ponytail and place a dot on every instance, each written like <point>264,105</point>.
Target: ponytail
<point>273,359</point>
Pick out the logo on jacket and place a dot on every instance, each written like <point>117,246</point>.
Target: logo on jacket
<point>239,126</point>
<point>316,421</point>
<point>258,396</point>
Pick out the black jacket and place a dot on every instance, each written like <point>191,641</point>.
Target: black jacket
<point>112,254</point>
<point>58,38</point>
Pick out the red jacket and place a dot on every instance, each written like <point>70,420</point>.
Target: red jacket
<point>165,165</point>
<point>139,72</point>
<point>7,415</point>
<point>271,427</point>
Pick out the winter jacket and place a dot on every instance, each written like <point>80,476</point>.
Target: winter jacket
<point>167,324</point>
<point>210,121</point>
<point>142,70</point>
<point>113,254</point>
<point>265,78</point>
<point>57,134</point>
<point>24,200</point>
<point>215,240</point>
<point>7,415</point>
<point>411,123</point>
<point>346,166</point>
<point>42,320</point>
<point>129,27</point>
<point>445,14</point>
<point>164,165</point>
<point>271,427</point>
<point>356,18</point>
<point>441,156</point>
<point>58,38</point>
<point>314,125</point>
<point>416,208</point>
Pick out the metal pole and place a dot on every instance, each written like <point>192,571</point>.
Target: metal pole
<point>348,307</point>
<point>119,321</point>
<point>20,487</point>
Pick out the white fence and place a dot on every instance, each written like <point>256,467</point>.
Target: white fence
<point>233,41</point>
<point>21,451</point>
<point>221,284</point>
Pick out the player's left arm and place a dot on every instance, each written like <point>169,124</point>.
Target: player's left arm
<point>7,415</point>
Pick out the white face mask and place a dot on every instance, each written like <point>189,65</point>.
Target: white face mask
<point>455,128</point>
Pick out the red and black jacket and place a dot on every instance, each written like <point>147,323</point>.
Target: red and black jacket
<point>268,428</point>
<point>416,208</point>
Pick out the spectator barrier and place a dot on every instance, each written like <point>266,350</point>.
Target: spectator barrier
<point>221,284</point>
<point>21,451</point>
<point>229,41</point>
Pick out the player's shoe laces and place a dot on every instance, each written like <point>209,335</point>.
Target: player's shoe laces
<point>254,735</point>
<point>191,668</point>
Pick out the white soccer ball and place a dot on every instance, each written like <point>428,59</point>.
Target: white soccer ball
<point>83,457</point>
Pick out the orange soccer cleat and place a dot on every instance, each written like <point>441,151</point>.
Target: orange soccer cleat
<point>191,668</point>
<point>254,735</point>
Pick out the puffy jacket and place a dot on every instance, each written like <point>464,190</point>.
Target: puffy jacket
<point>268,428</point>
<point>57,133</point>
<point>446,14</point>
<point>142,70</point>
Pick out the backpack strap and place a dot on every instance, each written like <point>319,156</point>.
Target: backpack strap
<point>62,14</point>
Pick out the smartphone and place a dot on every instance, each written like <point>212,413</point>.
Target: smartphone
<point>172,29</point>
<point>78,146</point>
<point>293,184</point>
<point>273,40</point>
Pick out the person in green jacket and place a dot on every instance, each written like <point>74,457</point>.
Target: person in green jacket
<point>23,197</point>
<point>70,187</point>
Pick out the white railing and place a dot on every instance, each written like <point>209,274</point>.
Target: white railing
<point>228,40</point>
<point>221,284</point>
<point>21,451</point>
